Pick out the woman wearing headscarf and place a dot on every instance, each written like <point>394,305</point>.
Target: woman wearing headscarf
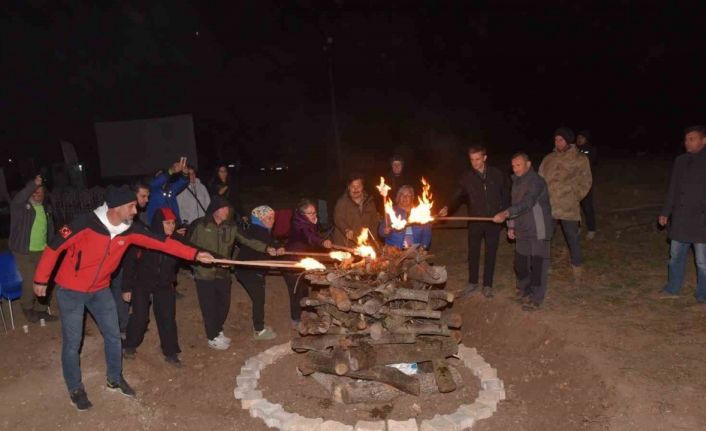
<point>262,219</point>
<point>304,236</point>
<point>412,233</point>
<point>223,185</point>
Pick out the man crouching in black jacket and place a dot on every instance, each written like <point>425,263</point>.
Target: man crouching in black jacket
<point>485,190</point>
<point>149,278</point>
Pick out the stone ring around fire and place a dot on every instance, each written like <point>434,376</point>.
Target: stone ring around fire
<point>492,391</point>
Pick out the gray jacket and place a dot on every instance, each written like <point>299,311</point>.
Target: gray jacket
<point>22,216</point>
<point>531,212</point>
<point>686,201</point>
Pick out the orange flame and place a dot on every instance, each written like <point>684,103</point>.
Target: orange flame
<point>363,248</point>
<point>339,255</point>
<point>309,263</point>
<point>396,221</point>
<point>383,188</point>
<point>422,212</point>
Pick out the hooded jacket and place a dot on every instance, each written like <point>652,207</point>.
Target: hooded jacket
<point>568,177</point>
<point>22,215</point>
<point>164,189</point>
<point>147,268</point>
<point>94,249</point>
<point>348,215</point>
<point>220,240</point>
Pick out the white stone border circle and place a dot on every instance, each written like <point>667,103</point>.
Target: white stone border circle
<point>491,393</point>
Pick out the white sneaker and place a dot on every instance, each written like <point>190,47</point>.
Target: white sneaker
<point>218,344</point>
<point>221,336</point>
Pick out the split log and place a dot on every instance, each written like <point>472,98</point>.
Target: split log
<point>426,314</point>
<point>340,298</point>
<point>348,391</point>
<point>319,343</point>
<point>349,320</point>
<point>391,293</point>
<point>427,273</point>
<point>443,376</point>
<point>425,349</point>
<point>312,362</point>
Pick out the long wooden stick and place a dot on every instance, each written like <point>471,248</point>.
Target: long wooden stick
<point>463,218</point>
<point>263,263</point>
<point>340,247</point>
<point>304,253</point>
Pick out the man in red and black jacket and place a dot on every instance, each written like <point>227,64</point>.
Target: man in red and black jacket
<point>94,244</point>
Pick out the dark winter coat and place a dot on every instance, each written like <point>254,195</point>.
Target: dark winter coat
<point>254,233</point>
<point>304,235</point>
<point>590,151</point>
<point>22,216</point>
<point>686,200</point>
<point>349,215</point>
<point>149,268</point>
<point>485,196</point>
<point>531,212</point>
<point>232,194</point>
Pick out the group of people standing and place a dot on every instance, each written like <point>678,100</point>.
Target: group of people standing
<point>181,220</point>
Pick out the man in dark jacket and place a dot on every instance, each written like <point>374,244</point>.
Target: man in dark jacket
<point>584,145</point>
<point>531,227</point>
<point>31,228</point>
<point>398,175</point>
<point>685,212</point>
<point>485,190</point>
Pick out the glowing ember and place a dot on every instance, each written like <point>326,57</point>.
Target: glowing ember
<point>363,248</point>
<point>339,255</point>
<point>309,263</point>
<point>422,212</point>
<point>383,188</point>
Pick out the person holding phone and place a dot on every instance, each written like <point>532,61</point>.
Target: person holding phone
<point>165,187</point>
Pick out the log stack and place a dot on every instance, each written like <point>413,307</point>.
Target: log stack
<point>366,314</point>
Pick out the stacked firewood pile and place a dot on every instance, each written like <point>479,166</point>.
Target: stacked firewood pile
<point>365,315</point>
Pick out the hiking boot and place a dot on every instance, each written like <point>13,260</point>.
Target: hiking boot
<point>129,353</point>
<point>46,316</point>
<point>468,290</point>
<point>590,235</point>
<point>30,315</point>
<point>223,338</point>
<point>488,291</point>
<point>265,334</point>
<point>121,386</point>
<point>530,306</point>
<point>79,399</point>
<point>173,360</point>
<point>218,344</point>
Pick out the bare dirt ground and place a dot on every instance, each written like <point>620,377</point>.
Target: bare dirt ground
<point>605,353</point>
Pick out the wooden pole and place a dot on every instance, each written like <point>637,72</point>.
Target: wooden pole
<point>463,219</point>
<point>340,247</point>
<point>306,254</point>
<point>262,263</point>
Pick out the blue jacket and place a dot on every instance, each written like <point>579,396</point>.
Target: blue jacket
<point>421,234</point>
<point>163,193</point>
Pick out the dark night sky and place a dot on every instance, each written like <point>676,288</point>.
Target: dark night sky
<point>408,73</point>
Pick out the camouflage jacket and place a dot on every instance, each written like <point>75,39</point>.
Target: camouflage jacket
<point>568,176</point>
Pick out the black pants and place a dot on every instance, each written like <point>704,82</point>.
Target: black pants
<point>532,274</point>
<point>573,240</point>
<point>163,299</point>
<point>477,232</point>
<point>302,290</point>
<point>214,300</point>
<point>254,284</point>
<point>589,211</point>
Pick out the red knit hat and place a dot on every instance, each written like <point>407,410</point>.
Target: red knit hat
<point>168,213</point>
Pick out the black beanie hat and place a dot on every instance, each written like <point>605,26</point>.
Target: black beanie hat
<point>116,196</point>
<point>565,133</point>
<point>217,202</point>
